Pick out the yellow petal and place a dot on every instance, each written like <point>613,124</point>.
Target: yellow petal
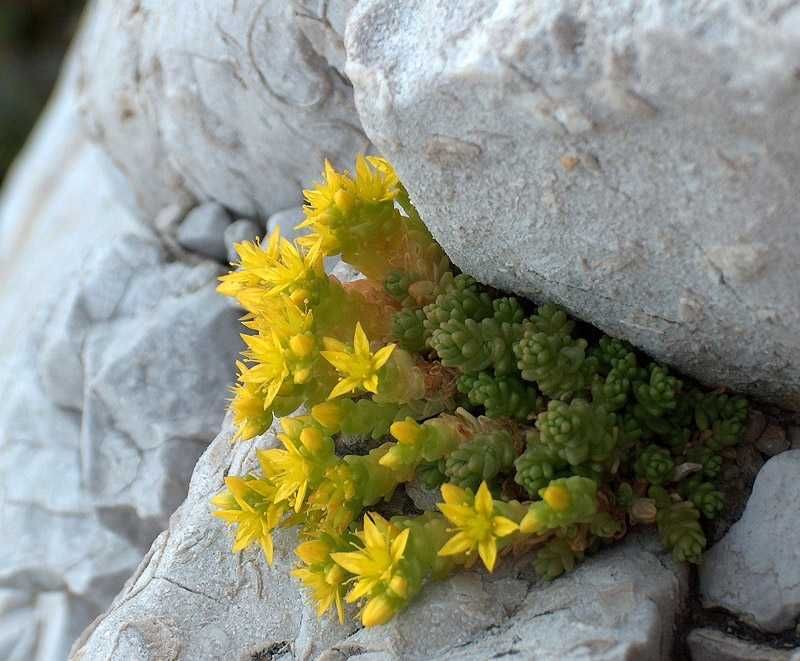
<point>382,355</point>
<point>353,561</point>
<point>301,496</point>
<point>362,588</point>
<point>453,495</point>
<point>341,360</point>
<point>484,504</point>
<point>360,341</point>
<point>332,344</point>
<point>503,526</point>
<point>370,384</point>
<point>458,543</point>
<point>459,515</point>
<point>487,549</point>
<point>268,548</point>
<point>343,387</point>
<point>372,536</point>
<point>399,544</point>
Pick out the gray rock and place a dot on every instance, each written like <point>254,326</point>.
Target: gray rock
<point>203,231</point>
<point>114,362</point>
<point>753,571</point>
<point>215,101</point>
<point>238,231</point>
<point>287,221</point>
<point>711,645</point>
<point>192,599</point>
<point>773,440</point>
<point>636,163</point>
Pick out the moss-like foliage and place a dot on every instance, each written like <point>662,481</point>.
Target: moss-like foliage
<point>538,439</point>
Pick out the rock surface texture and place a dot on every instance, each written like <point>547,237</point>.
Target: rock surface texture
<point>222,101</point>
<point>711,645</point>
<point>114,363</point>
<point>754,571</point>
<point>192,599</point>
<point>636,162</point>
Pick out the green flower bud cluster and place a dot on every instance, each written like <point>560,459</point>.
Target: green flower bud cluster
<point>654,464</point>
<point>609,351</point>
<point>680,531</point>
<point>548,355</point>
<point>481,459</point>
<point>408,330</point>
<point>554,558</point>
<point>538,466</point>
<point>578,432</point>
<point>723,415</point>
<point>705,495</point>
<point>710,460</point>
<point>501,396</point>
<point>469,331</point>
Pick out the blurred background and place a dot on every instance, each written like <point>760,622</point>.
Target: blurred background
<point>34,35</point>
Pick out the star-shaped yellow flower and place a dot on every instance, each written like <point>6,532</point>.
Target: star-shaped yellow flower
<point>476,523</point>
<point>378,569</point>
<point>359,367</point>
<point>248,503</point>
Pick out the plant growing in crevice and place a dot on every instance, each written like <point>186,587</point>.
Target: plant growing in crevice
<point>538,439</point>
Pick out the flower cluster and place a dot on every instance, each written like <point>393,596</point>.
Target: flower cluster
<point>538,440</point>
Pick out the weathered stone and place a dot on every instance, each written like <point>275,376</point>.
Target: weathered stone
<point>214,102</point>
<point>238,231</point>
<point>675,226</point>
<point>114,362</point>
<point>191,598</point>
<point>753,571</point>
<point>773,440</point>
<point>203,230</point>
<point>712,645</point>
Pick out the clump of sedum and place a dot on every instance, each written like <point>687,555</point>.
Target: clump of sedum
<point>538,439</point>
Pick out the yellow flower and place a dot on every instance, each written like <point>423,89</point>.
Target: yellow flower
<point>321,575</point>
<point>378,569</point>
<point>477,524</point>
<point>269,369</point>
<point>300,464</point>
<point>249,416</point>
<point>249,504</point>
<point>294,271</point>
<point>252,258</point>
<point>359,367</point>
<point>377,183</point>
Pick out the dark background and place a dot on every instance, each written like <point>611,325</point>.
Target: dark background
<point>34,34</point>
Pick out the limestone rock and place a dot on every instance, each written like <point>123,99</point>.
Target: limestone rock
<point>712,645</point>
<point>203,230</point>
<point>215,101</point>
<point>192,599</point>
<point>754,570</point>
<point>238,231</point>
<point>114,362</point>
<point>638,164</point>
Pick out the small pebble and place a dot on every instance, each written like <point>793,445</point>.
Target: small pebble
<point>773,440</point>
<point>756,422</point>
<point>203,230</point>
<point>238,231</point>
